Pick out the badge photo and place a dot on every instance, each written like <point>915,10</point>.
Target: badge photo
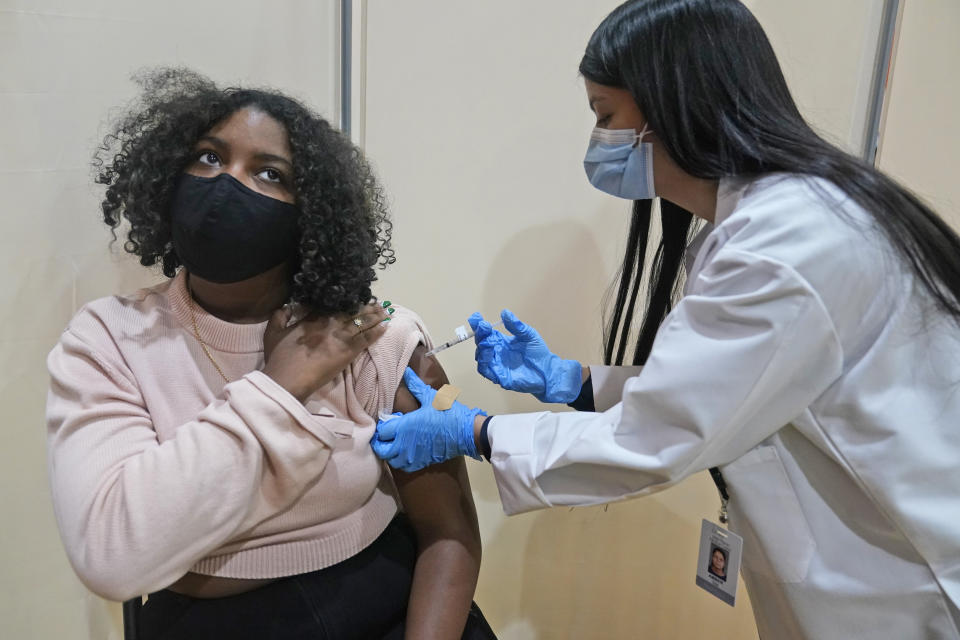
<point>718,563</point>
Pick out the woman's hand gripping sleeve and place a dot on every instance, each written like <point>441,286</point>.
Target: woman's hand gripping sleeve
<point>135,514</point>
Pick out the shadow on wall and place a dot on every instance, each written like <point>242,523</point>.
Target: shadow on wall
<point>578,566</point>
<point>551,273</point>
<point>608,570</point>
<point>619,571</point>
<point>624,570</point>
<point>556,276</point>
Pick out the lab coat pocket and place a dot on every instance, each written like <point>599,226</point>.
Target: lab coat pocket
<point>764,510</point>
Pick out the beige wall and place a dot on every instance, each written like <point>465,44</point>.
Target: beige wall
<point>476,120</point>
<point>827,51</point>
<point>63,65</point>
<point>920,144</point>
<point>477,123</point>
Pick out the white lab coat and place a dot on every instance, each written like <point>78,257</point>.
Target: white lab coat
<point>808,364</point>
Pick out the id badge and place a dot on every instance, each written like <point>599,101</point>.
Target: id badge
<point>718,565</point>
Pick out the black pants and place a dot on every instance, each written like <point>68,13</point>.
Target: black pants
<point>362,598</point>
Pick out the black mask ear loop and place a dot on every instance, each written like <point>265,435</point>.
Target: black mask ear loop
<point>295,310</point>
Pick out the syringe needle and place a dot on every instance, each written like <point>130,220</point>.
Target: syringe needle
<point>462,336</point>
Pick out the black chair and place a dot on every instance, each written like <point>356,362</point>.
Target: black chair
<point>131,616</point>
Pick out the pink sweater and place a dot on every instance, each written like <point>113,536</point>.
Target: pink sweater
<point>158,467</point>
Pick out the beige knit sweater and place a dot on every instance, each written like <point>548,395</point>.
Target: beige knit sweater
<point>158,467</point>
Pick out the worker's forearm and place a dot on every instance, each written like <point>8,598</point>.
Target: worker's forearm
<point>478,439</point>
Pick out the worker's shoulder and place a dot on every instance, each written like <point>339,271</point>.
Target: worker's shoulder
<point>814,231</point>
<point>803,221</point>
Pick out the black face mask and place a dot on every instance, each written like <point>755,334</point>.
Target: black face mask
<point>226,232</point>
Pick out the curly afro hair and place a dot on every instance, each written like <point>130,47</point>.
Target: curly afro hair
<point>345,229</point>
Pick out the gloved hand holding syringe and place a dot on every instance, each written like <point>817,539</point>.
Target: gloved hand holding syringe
<point>437,431</point>
<point>463,333</point>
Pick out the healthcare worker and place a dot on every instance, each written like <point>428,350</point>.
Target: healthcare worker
<point>814,358</point>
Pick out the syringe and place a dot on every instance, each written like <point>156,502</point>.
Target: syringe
<point>464,333</point>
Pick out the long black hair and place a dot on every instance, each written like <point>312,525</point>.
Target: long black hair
<point>345,228</point>
<point>707,81</point>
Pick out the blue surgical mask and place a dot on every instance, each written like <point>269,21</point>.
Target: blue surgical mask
<point>619,163</point>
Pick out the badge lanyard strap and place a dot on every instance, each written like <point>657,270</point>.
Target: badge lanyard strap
<point>722,488</point>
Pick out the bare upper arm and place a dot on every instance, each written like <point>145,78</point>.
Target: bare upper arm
<point>429,370</point>
<point>437,499</point>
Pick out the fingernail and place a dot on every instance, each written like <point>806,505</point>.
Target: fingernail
<point>386,303</point>
<point>391,310</point>
<point>386,320</point>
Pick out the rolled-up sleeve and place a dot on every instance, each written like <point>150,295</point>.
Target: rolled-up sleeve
<point>744,353</point>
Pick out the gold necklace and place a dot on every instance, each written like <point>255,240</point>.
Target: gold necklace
<point>196,332</point>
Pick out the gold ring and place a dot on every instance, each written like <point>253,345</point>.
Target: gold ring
<point>359,323</point>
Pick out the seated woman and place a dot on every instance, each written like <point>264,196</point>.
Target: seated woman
<point>209,437</point>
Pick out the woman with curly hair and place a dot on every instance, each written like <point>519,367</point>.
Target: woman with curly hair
<point>209,436</point>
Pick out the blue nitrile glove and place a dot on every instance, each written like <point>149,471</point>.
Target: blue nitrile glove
<point>522,362</point>
<point>418,439</point>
